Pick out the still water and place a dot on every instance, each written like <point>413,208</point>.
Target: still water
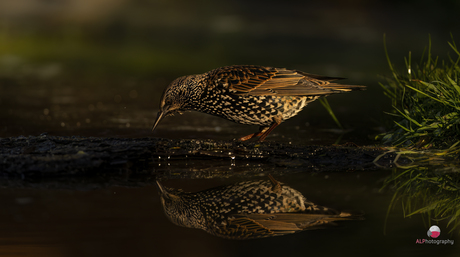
<point>39,219</point>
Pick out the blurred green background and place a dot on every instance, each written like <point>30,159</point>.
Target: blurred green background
<point>145,37</point>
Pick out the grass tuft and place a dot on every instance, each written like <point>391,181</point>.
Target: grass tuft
<point>426,101</point>
<point>434,193</point>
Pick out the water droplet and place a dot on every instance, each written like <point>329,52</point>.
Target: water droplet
<point>232,161</point>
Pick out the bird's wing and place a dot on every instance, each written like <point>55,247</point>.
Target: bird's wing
<point>258,80</point>
<point>242,228</point>
<point>247,226</point>
<point>255,225</point>
<point>301,221</point>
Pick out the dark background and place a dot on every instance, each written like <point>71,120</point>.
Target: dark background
<point>99,67</point>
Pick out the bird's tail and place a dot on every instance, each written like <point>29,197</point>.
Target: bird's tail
<point>326,221</point>
<point>344,88</point>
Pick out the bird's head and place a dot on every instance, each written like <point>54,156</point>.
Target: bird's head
<point>176,97</point>
<point>178,207</point>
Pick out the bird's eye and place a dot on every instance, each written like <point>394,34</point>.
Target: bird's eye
<point>168,102</point>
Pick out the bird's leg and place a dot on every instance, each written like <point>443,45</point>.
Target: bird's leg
<point>257,134</point>
<point>276,185</point>
<point>265,133</point>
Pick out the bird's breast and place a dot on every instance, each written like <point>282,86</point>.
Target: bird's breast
<point>251,109</point>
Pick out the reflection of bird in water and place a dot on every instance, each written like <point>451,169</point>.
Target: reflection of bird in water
<point>248,94</point>
<point>246,210</point>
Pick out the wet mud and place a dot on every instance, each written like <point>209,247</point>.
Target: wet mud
<point>143,160</point>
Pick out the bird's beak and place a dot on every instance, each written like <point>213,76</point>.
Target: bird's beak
<point>160,187</point>
<point>160,116</point>
<point>163,192</point>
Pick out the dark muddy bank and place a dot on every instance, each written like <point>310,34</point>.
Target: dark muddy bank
<point>145,159</point>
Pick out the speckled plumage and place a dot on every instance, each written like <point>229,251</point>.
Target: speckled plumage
<point>247,210</point>
<point>247,94</point>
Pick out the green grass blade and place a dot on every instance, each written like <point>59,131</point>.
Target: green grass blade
<point>328,108</point>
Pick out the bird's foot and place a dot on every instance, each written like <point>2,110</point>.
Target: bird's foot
<point>250,136</point>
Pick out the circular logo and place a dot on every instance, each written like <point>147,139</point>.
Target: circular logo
<point>434,231</point>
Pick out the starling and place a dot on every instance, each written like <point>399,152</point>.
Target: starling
<point>248,94</point>
<point>248,210</point>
